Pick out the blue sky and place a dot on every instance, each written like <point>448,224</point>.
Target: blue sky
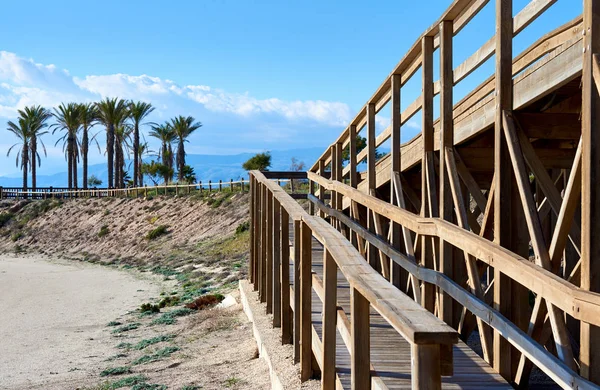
<point>258,74</point>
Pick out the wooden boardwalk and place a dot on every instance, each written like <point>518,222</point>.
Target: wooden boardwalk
<point>390,353</point>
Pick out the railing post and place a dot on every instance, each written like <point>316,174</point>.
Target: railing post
<point>209,186</point>
<point>231,185</point>
<point>399,276</point>
<point>329,321</point>
<point>252,260</point>
<point>371,180</point>
<point>425,371</point>
<point>297,256</point>
<point>177,189</point>
<point>311,190</point>
<point>145,190</point>
<point>269,243</point>
<point>361,341</point>
<point>220,185</point>
<point>200,186</point>
<point>305,303</point>
<point>276,253</point>
<point>321,188</point>
<point>263,243</point>
<point>286,313</point>
<point>1,193</point>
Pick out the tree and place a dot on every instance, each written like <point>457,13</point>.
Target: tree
<point>93,181</point>
<point>260,162</point>
<point>88,116</point>
<point>155,171</point>
<point>21,131</point>
<point>297,166</point>
<point>142,150</point>
<point>122,137</point>
<point>183,127</point>
<point>189,176</point>
<point>361,143</point>
<point>68,119</point>
<point>138,111</point>
<point>111,112</point>
<point>36,117</point>
<point>165,134</point>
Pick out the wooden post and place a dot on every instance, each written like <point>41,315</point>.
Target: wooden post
<point>425,370</point>
<point>177,189</point>
<point>321,188</point>
<point>200,186</point>
<point>334,160</point>
<point>590,194</point>
<point>276,254</point>
<point>209,186</point>
<point>352,156</point>
<point>338,177</point>
<point>447,142</point>
<point>297,256</point>
<point>311,190</point>
<point>361,341</point>
<point>371,177</point>
<point>269,243</point>
<point>1,193</point>
<point>305,303</point>
<point>286,313</point>
<point>145,190</point>
<point>230,185</point>
<point>292,185</point>
<point>399,276</point>
<point>428,197</point>
<point>220,185</point>
<point>329,321</point>
<point>252,259</point>
<point>503,208</point>
<point>263,243</point>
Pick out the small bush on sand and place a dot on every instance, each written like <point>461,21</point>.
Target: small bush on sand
<point>114,323</point>
<point>128,382</point>
<point>103,231</point>
<point>126,328</point>
<point>16,236</point>
<point>149,386</point>
<point>149,308</point>
<point>205,301</point>
<point>154,340</point>
<point>115,371</point>
<point>169,301</point>
<point>159,355</point>
<point>170,317</point>
<point>242,227</point>
<point>5,218</point>
<point>161,230</point>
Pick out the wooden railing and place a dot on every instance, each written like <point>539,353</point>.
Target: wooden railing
<point>164,189</point>
<point>273,212</point>
<point>492,240</point>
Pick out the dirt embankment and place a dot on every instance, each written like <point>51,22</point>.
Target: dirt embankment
<point>196,230</point>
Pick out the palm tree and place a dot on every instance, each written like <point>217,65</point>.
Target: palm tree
<point>111,113</point>
<point>88,116</point>
<point>122,136</point>
<point>165,134</point>
<point>21,131</point>
<point>143,149</point>
<point>36,117</point>
<point>68,119</point>
<point>138,111</point>
<point>183,128</point>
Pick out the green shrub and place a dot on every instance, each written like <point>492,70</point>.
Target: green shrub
<point>242,227</point>
<point>126,328</point>
<point>114,323</point>
<point>161,230</point>
<point>168,301</point>
<point>16,236</point>
<point>159,355</point>
<point>170,317</point>
<point>149,308</point>
<point>5,218</point>
<point>115,371</point>
<point>128,382</point>
<point>154,340</point>
<point>103,231</point>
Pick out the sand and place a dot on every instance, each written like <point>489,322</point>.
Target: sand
<point>53,317</point>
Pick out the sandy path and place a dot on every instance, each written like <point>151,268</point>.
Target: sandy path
<point>53,317</point>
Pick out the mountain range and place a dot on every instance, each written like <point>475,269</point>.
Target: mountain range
<point>207,167</point>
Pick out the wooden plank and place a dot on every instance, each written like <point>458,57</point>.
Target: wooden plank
<point>361,349</point>
<point>297,293</point>
<point>286,314</point>
<point>321,189</point>
<point>399,277</point>
<point>305,302</point>
<point>328,369</point>
<point>590,193</point>
<point>426,370</point>
<point>352,156</point>
<point>270,271</point>
<point>276,239</point>
<point>529,13</point>
<point>502,361</point>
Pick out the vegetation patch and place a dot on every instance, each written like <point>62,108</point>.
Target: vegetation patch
<point>149,308</point>
<point>170,317</point>
<point>169,301</point>
<point>124,345</point>
<point>115,357</point>
<point>5,218</point>
<point>159,355</point>
<point>115,371</point>
<point>114,323</point>
<point>149,386</point>
<point>161,230</point>
<point>205,301</point>
<point>103,231</point>
<point>128,382</point>
<point>154,340</point>
<point>126,328</point>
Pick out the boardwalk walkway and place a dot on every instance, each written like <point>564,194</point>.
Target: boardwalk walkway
<point>390,353</point>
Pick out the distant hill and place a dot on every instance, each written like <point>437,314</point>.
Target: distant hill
<point>207,167</point>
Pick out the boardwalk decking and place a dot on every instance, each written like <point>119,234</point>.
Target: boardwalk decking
<point>390,353</point>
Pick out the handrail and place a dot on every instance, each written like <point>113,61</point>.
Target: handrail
<point>578,303</point>
<point>413,322</point>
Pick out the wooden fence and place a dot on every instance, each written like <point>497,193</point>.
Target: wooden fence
<point>273,213</point>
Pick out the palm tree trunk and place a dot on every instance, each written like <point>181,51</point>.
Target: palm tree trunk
<point>74,163</point>
<point>136,147</point>
<point>84,152</point>
<point>24,161</point>
<point>34,162</point>
<point>70,162</point>
<point>110,140</point>
<point>180,160</point>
